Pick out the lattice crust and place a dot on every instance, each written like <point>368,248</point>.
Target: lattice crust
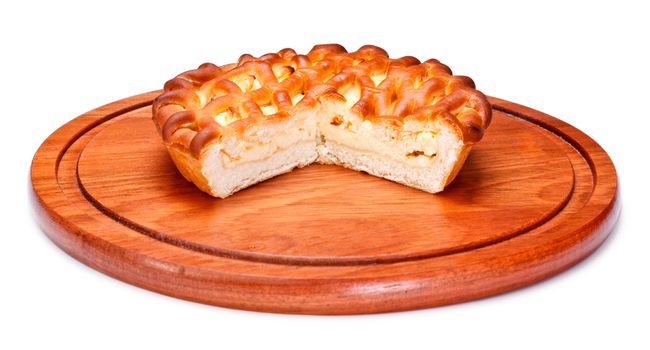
<point>202,105</point>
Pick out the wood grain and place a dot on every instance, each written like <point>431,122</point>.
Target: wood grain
<point>535,197</point>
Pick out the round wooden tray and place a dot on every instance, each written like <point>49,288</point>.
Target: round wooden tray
<point>535,197</point>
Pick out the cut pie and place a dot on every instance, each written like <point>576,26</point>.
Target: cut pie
<point>229,127</point>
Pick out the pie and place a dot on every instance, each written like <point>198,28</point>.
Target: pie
<point>229,127</point>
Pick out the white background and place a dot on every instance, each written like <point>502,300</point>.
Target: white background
<point>586,64</point>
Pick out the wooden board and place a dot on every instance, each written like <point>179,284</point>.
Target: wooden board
<point>535,197</point>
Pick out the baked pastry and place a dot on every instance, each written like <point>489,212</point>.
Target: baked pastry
<point>228,127</point>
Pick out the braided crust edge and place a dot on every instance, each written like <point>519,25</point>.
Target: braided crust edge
<point>185,112</point>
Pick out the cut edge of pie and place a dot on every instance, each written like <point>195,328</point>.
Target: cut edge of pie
<point>229,127</point>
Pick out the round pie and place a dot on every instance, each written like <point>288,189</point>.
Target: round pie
<point>228,127</point>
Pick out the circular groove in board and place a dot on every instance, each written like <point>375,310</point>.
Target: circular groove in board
<point>512,229</point>
<point>328,215</point>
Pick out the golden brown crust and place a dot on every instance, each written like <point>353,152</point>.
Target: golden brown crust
<point>393,90</point>
<point>190,168</point>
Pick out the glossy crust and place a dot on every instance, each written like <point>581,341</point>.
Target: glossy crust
<point>390,91</point>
